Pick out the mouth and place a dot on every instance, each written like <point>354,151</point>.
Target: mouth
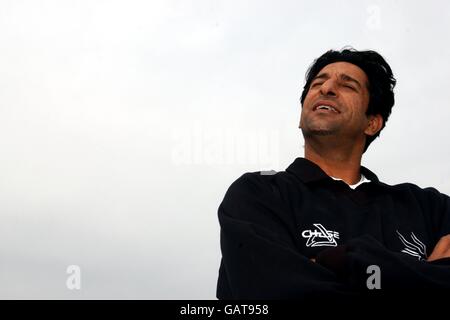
<point>325,107</point>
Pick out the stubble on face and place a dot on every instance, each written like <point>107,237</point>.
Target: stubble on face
<point>310,129</point>
<point>319,125</point>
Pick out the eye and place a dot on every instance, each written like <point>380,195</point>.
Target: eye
<point>349,86</point>
<point>315,84</point>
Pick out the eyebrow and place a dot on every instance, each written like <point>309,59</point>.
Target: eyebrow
<point>342,76</point>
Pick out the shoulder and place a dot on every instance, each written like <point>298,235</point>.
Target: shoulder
<point>262,181</point>
<point>253,182</point>
<point>423,194</point>
<point>253,192</point>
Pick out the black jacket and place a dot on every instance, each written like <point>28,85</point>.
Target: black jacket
<point>273,224</point>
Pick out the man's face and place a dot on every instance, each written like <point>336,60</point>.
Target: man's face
<point>336,102</point>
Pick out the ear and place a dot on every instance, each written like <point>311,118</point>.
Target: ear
<point>375,123</point>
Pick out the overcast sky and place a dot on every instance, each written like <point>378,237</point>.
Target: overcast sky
<point>123,123</point>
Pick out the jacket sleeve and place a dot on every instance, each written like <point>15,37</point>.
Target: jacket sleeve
<point>260,259</point>
<point>398,272</point>
<point>438,206</point>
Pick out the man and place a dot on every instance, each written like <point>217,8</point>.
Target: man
<point>327,224</point>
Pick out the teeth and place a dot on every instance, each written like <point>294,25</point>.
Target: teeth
<point>327,108</point>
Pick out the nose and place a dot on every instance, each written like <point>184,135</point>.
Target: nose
<point>328,88</point>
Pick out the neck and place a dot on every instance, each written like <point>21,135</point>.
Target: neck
<point>336,160</point>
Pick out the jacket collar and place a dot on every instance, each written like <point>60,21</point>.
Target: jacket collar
<point>308,171</point>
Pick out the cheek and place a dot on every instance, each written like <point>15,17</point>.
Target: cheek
<point>359,105</point>
<point>365,102</point>
<point>359,115</point>
<point>357,111</point>
<point>309,96</point>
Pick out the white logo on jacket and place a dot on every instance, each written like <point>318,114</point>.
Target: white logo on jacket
<point>320,233</point>
<point>414,248</point>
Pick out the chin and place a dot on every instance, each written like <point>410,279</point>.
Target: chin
<point>317,132</point>
<point>322,132</point>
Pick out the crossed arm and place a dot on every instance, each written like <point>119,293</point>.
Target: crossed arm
<point>441,250</point>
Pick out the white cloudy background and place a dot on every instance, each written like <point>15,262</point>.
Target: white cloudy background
<point>122,124</point>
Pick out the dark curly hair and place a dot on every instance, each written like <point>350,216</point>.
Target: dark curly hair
<point>381,80</point>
